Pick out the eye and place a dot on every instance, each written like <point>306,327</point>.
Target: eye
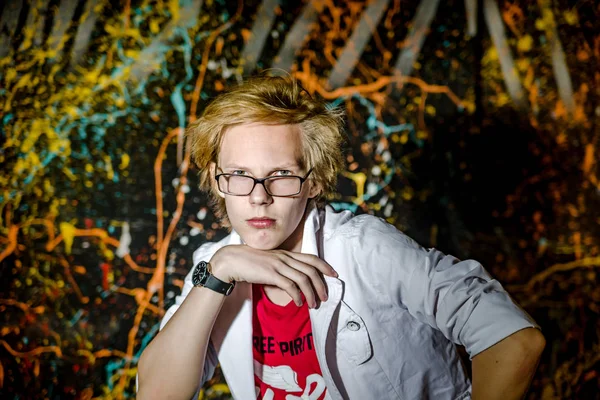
<point>238,172</point>
<point>283,172</point>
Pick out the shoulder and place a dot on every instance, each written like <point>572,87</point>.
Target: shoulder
<point>366,229</point>
<point>372,254</point>
<point>374,245</point>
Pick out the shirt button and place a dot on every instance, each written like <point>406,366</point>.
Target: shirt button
<point>353,326</point>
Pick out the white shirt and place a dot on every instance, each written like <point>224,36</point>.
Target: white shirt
<point>388,326</point>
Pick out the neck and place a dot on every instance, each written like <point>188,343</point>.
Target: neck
<point>294,242</point>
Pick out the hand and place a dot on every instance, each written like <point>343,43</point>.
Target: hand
<point>295,273</point>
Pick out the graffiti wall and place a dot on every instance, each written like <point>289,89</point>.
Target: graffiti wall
<point>473,126</point>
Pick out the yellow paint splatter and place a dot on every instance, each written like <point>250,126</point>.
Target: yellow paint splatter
<point>124,161</point>
<point>523,64</point>
<point>490,55</point>
<point>502,99</point>
<point>68,233</point>
<point>110,173</point>
<point>154,27</point>
<point>69,174</point>
<point>174,9</point>
<point>220,387</point>
<point>525,43</point>
<point>109,255</point>
<point>571,17</point>
<point>359,179</point>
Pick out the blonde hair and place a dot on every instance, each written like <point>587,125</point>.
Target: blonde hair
<point>277,101</point>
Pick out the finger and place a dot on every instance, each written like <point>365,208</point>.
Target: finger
<point>302,281</point>
<point>313,260</point>
<point>290,287</point>
<point>314,276</point>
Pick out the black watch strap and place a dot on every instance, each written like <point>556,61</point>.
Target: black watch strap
<point>202,276</point>
<point>218,285</point>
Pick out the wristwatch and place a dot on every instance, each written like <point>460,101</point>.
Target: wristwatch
<point>202,276</point>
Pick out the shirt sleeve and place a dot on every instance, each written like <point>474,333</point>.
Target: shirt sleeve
<point>458,298</point>
<point>463,301</point>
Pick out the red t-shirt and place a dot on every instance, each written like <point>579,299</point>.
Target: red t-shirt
<point>285,361</point>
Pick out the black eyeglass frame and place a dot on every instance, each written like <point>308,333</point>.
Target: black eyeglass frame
<point>262,182</point>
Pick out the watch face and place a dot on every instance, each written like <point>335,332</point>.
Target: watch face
<point>200,274</point>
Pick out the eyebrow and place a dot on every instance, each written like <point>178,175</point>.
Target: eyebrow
<point>277,168</point>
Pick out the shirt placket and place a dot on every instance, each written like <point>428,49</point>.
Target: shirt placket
<point>320,320</point>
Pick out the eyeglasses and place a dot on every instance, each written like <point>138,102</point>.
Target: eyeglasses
<point>278,186</point>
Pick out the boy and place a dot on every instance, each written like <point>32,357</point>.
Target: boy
<point>301,302</point>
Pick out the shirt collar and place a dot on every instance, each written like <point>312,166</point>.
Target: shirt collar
<point>312,224</point>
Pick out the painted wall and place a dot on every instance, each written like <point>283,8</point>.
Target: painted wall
<point>473,126</point>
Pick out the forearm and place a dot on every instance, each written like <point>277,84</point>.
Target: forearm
<point>172,364</point>
<point>504,371</point>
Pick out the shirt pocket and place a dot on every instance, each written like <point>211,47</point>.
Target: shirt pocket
<point>353,337</point>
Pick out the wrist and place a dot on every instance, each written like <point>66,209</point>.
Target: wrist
<point>204,277</point>
<point>219,269</point>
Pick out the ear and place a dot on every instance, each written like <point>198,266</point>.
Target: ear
<point>315,189</point>
<point>213,182</point>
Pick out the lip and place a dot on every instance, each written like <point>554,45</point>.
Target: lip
<point>261,223</point>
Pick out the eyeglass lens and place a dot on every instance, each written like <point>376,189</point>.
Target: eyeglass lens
<point>243,185</point>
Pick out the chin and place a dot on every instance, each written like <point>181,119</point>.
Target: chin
<point>262,242</point>
<point>261,246</point>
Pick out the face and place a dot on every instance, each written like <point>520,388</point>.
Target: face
<point>263,221</point>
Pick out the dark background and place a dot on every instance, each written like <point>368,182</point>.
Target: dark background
<point>99,207</point>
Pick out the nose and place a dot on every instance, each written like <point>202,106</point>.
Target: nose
<point>259,195</point>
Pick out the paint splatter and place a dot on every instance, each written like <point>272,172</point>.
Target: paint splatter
<point>480,139</point>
